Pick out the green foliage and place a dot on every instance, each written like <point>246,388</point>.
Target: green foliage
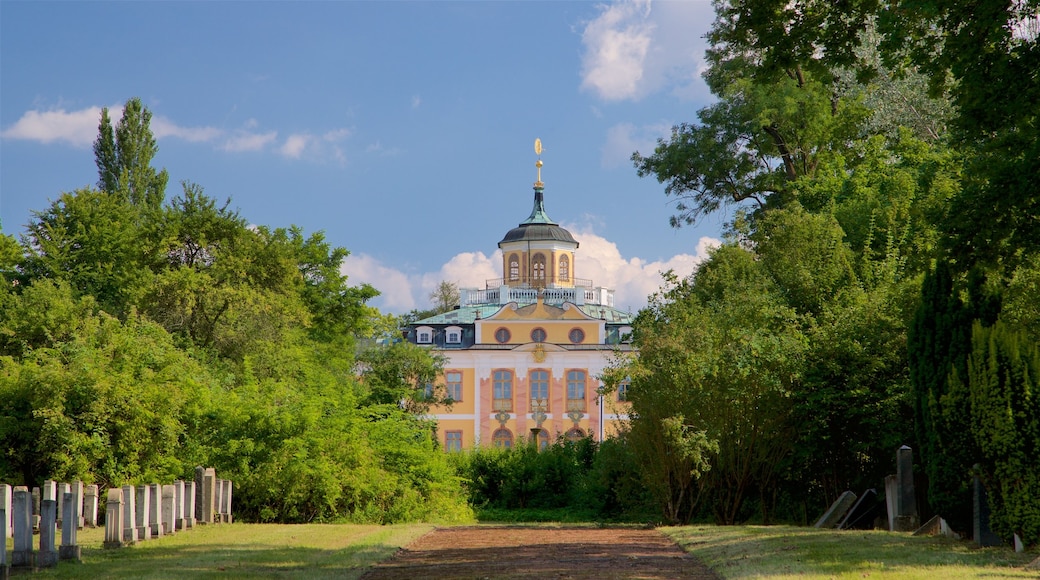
<point>124,156</point>
<point>1004,381</point>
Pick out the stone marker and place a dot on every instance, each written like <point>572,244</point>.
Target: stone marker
<point>1019,545</point>
<point>143,508</point>
<point>6,494</point>
<point>937,526</point>
<point>839,508</point>
<point>169,510</point>
<point>69,549</point>
<point>189,504</point>
<point>218,500</point>
<point>90,505</point>
<point>863,512</point>
<point>227,501</point>
<point>48,556</point>
<point>200,474</point>
<point>114,518</point>
<point>982,533</point>
<point>59,495</point>
<point>178,505</point>
<point>130,535</point>
<point>155,520</point>
<point>209,495</point>
<point>77,491</point>
<point>907,519</point>
<point>4,513</point>
<point>35,519</point>
<point>21,504</point>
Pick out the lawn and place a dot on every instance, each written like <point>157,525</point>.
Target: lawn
<point>779,552</point>
<point>345,551</point>
<point>242,551</point>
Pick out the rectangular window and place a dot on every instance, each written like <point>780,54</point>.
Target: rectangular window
<point>622,390</point>
<point>576,391</point>
<point>454,385</point>
<point>428,391</point>
<point>453,440</point>
<point>453,338</point>
<point>503,391</point>
<point>540,387</point>
<point>424,337</point>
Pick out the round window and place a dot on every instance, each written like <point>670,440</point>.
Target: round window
<point>538,335</point>
<point>577,335</point>
<point>502,335</point>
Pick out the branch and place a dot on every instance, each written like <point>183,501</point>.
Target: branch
<point>785,153</point>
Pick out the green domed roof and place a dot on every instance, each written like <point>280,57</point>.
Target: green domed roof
<point>538,226</point>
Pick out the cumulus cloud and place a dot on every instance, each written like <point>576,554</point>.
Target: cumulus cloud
<point>633,49</point>
<point>632,279</point>
<point>80,128</point>
<point>294,145</point>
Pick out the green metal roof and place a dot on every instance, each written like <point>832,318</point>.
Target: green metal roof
<point>470,314</point>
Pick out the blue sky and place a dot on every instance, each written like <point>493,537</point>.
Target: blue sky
<point>403,130</point>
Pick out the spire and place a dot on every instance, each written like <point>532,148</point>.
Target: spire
<point>538,215</point>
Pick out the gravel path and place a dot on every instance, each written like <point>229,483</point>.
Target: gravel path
<point>494,552</point>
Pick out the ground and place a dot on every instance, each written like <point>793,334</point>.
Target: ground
<point>493,552</point>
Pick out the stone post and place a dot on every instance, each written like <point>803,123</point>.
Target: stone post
<point>981,532</point>
<point>189,504</point>
<point>227,501</point>
<point>48,556</point>
<point>59,494</point>
<point>37,495</point>
<point>143,507</point>
<point>77,491</point>
<point>169,510</point>
<point>4,528</point>
<point>6,494</point>
<point>218,501</point>
<point>70,549</point>
<point>155,520</point>
<point>178,505</point>
<point>906,518</point>
<point>130,535</point>
<point>114,518</point>
<point>200,474</point>
<point>209,495</point>
<point>90,505</point>
<point>21,504</point>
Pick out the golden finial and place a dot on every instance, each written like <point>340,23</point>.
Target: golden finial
<point>538,164</point>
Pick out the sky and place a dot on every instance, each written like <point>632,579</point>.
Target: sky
<point>402,130</point>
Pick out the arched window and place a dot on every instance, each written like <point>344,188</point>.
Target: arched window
<point>565,268</point>
<point>502,438</point>
<point>514,267</point>
<point>503,391</point>
<point>575,434</point>
<point>538,267</point>
<point>543,439</point>
<point>576,391</point>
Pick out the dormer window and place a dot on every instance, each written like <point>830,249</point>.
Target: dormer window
<point>453,335</point>
<point>424,335</point>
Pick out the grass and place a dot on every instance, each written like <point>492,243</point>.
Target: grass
<point>242,550</point>
<point>346,551</point>
<point>780,552</point>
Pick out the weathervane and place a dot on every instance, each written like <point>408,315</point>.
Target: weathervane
<point>538,164</point>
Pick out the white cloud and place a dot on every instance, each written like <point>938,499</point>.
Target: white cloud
<point>77,128</point>
<point>633,49</point>
<point>248,141</point>
<point>616,45</point>
<point>632,279</point>
<point>294,145</point>
<point>80,128</point>
<point>163,127</point>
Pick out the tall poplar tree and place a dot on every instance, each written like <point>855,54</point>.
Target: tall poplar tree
<point>124,157</point>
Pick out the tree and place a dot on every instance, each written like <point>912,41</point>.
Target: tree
<point>445,297</point>
<point>124,156</point>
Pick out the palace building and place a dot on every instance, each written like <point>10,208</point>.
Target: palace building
<point>524,353</point>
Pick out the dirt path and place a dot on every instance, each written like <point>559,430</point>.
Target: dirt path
<point>494,552</point>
